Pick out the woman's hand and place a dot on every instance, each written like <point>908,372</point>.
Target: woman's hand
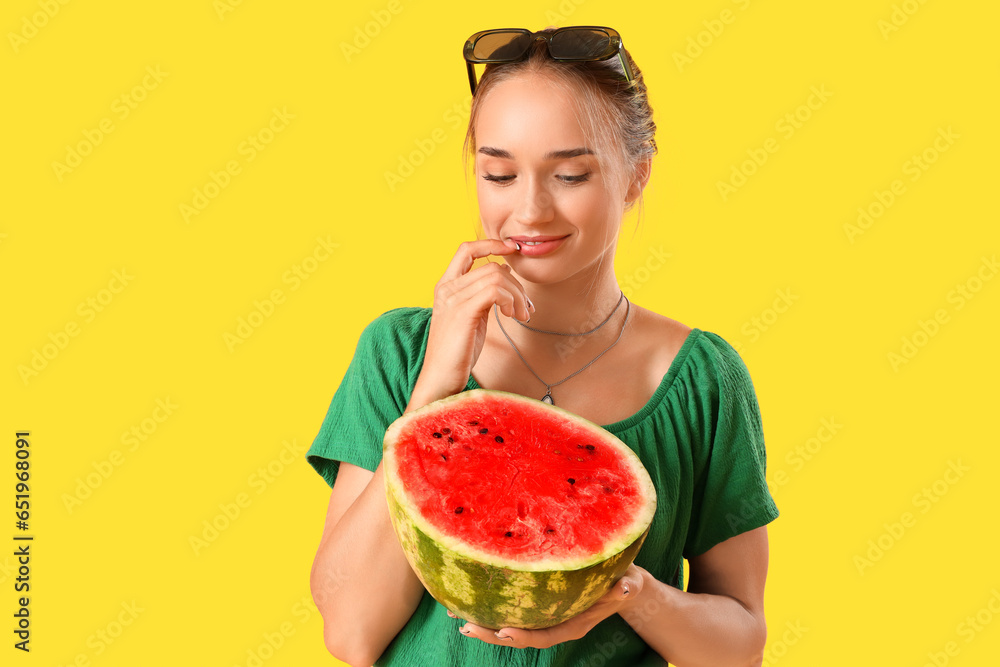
<point>463,299</point>
<point>624,592</point>
<point>725,598</point>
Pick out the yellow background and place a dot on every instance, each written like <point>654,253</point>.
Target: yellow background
<point>357,115</point>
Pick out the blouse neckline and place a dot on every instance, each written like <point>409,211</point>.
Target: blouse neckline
<point>668,379</point>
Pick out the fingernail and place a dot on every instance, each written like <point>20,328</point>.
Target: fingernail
<point>625,586</point>
<point>451,614</point>
<point>502,637</point>
<point>464,630</point>
<point>530,305</point>
<point>517,245</point>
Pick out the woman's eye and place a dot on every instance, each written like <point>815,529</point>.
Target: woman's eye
<point>504,179</point>
<point>497,178</point>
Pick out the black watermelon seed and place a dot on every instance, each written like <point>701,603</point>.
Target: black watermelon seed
<point>451,439</point>
<point>508,534</point>
<point>446,431</point>
<point>473,423</point>
<point>607,489</point>
<point>590,447</point>
<point>550,530</point>
<point>484,430</point>
<point>444,457</point>
<point>436,435</point>
<point>571,480</point>
<point>458,510</point>
<point>499,439</point>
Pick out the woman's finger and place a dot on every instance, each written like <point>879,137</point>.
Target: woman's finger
<point>480,296</point>
<point>465,287</point>
<point>527,301</point>
<point>519,638</point>
<point>470,251</point>
<point>486,286</point>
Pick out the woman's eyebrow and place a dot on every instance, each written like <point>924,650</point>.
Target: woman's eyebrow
<point>551,155</point>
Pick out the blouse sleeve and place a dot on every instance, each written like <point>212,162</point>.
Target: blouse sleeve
<point>374,392</point>
<point>730,493</point>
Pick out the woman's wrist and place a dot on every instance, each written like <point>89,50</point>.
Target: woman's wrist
<point>653,599</point>
<point>428,390</point>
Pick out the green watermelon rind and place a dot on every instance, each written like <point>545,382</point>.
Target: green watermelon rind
<point>503,597</point>
<point>494,591</point>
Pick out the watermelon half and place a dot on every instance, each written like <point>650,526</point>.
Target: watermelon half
<point>512,512</point>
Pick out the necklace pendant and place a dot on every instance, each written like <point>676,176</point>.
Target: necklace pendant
<point>547,398</point>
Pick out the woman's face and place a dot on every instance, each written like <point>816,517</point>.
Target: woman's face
<point>539,183</point>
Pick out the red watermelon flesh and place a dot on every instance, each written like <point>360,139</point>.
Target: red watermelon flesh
<point>518,486</point>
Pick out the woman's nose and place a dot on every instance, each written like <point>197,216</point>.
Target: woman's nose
<point>536,206</point>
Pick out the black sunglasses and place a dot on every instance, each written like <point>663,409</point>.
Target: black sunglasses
<point>574,43</point>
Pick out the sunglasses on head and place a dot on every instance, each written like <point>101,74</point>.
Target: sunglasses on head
<point>572,44</point>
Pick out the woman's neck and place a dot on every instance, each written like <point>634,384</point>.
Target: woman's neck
<point>574,306</point>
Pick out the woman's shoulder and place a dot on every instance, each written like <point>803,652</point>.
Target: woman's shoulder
<point>654,325</point>
<point>659,341</point>
<point>404,322</point>
<point>663,339</point>
<point>397,337</point>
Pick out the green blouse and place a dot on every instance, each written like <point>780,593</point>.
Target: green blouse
<point>699,436</point>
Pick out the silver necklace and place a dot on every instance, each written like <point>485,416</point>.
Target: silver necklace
<point>547,398</point>
<point>585,333</point>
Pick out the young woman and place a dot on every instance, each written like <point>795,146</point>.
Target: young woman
<point>561,135</point>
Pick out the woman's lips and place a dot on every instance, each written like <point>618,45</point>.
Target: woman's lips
<point>536,246</point>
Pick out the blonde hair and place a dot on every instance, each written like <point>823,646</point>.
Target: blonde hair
<point>616,116</point>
